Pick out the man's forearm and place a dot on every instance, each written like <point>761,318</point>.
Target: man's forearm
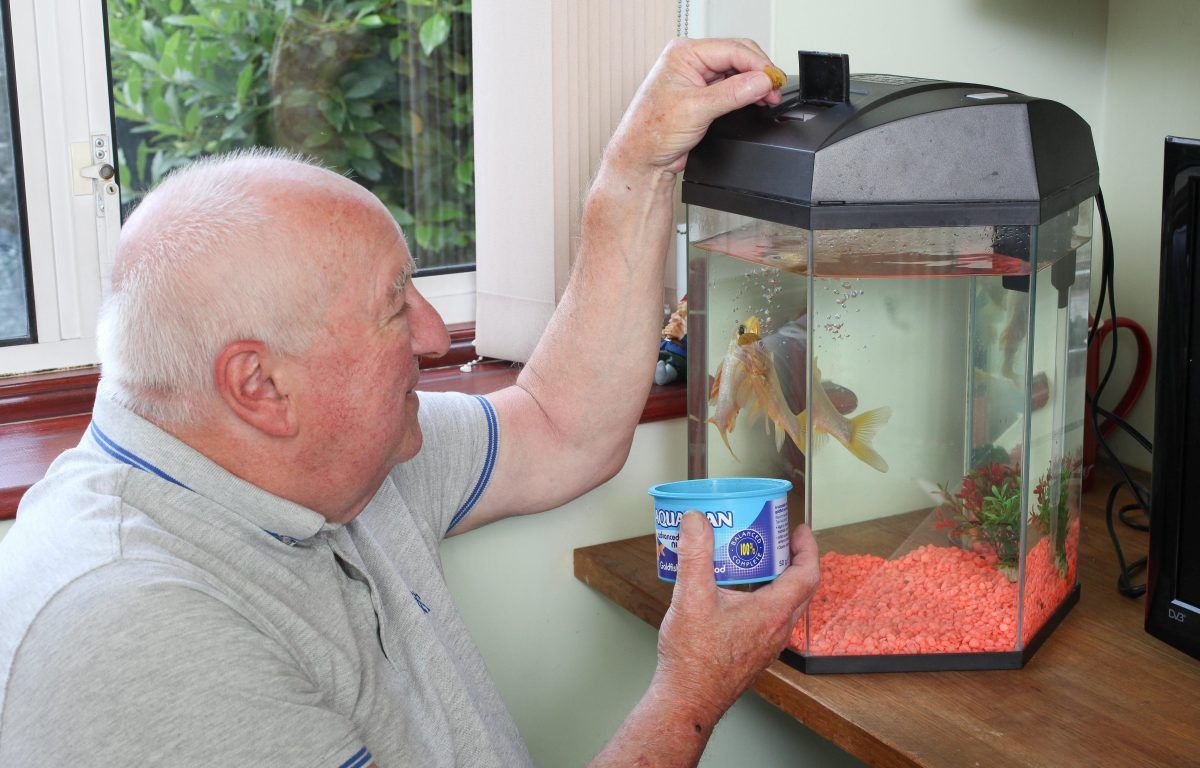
<point>665,730</point>
<point>601,344</point>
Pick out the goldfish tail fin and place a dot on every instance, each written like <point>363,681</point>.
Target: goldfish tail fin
<point>865,425</point>
<point>724,438</point>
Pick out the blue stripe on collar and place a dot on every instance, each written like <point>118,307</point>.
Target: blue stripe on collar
<point>489,463</point>
<point>125,456</point>
<point>128,457</point>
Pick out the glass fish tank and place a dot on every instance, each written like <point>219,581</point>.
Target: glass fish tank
<point>912,359</point>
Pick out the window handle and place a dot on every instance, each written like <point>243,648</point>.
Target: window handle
<point>99,171</point>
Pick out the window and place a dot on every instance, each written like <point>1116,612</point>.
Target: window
<point>59,121</point>
<point>16,287</point>
<point>380,89</point>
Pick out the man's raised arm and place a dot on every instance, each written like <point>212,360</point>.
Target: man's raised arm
<point>567,424</point>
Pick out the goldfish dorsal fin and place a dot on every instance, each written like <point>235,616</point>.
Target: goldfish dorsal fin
<point>864,426</point>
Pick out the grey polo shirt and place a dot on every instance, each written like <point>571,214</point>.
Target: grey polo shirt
<point>157,610</point>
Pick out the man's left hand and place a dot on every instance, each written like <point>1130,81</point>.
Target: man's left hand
<point>692,83</point>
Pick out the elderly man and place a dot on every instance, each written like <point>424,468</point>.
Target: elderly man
<point>239,563</point>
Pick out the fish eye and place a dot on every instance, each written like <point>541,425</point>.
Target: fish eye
<point>741,329</point>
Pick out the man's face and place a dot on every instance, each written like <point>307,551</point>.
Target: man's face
<point>360,403</point>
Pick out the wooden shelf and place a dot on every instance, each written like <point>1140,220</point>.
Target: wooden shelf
<point>1100,691</point>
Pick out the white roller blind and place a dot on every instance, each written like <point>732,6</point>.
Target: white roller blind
<point>551,81</point>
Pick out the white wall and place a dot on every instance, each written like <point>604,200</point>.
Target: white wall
<point>1153,91</point>
<point>1049,49</point>
<point>570,663</point>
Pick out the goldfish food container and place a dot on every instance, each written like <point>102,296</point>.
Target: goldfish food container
<point>749,518</point>
<point>888,285</point>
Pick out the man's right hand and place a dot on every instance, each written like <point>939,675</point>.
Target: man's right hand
<point>713,642</point>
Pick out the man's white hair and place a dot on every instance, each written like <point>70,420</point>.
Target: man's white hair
<point>207,269</point>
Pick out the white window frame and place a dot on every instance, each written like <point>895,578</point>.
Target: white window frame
<point>59,69</point>
<point>61,77</point>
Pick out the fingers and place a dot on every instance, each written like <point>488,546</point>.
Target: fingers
<point>715,57</point>
<point>695,572</point>
<point>799,580</point>
<point>735,92</point>
<point>691,84</point>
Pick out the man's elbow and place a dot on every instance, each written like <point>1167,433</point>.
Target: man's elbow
<point>613,460</point>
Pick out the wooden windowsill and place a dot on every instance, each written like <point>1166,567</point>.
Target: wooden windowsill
<point>43,415</point>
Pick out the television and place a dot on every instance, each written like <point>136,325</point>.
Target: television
<point>1173,563</point>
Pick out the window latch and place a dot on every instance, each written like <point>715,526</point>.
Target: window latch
<point>99,171</point>
<point>95,173</point>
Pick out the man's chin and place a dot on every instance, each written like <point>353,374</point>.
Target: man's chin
<point>411,445</point>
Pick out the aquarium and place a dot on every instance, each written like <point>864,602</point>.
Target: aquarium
<point>913,364</point>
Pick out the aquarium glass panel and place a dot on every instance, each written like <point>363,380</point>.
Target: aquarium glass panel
<point>902,379</point>
<point>1056,430</point>
<point>748,286</point>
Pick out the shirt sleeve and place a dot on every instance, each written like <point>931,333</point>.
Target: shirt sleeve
<point>446,478</point>
<point>166,675</point>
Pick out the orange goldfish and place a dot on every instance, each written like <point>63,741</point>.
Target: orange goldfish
<point>854,433</point>
<point>747,379</point>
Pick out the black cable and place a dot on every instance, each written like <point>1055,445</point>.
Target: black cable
<point>1125,510</point>
<point>1124,585</point>
<point>1107,290</point>
<point>1138,437</point>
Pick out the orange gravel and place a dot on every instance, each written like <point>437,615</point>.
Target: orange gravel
<point>930,600</point>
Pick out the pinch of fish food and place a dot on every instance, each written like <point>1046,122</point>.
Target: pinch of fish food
<point>778,79</point>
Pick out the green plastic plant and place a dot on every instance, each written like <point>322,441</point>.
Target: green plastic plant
<point>985,514</point>
<point>377,88</point>
<point>1052,510</point>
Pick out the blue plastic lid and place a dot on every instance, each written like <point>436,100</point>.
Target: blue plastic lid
<point>721,488</point>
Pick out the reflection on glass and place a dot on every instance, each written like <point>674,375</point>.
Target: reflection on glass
<point>15,324</point>
<point>377,89</point>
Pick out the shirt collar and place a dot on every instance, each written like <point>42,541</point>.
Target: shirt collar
<point>124,436</point>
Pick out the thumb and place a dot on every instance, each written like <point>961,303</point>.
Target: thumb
<point>735,92</point>
<point>695,553</point>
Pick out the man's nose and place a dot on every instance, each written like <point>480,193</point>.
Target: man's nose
<point>430,337</point>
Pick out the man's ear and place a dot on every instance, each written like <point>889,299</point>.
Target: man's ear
<point>246,383</point>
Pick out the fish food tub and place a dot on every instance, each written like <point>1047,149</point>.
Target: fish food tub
<point>888,284</point>
<point>749,518</point>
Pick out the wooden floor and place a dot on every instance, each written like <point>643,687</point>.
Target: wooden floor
<point>1099,692</point>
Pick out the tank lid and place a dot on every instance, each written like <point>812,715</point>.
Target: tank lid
<point>901,152</point>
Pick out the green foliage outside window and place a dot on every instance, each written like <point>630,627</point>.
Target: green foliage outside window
<point>379,89</point>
